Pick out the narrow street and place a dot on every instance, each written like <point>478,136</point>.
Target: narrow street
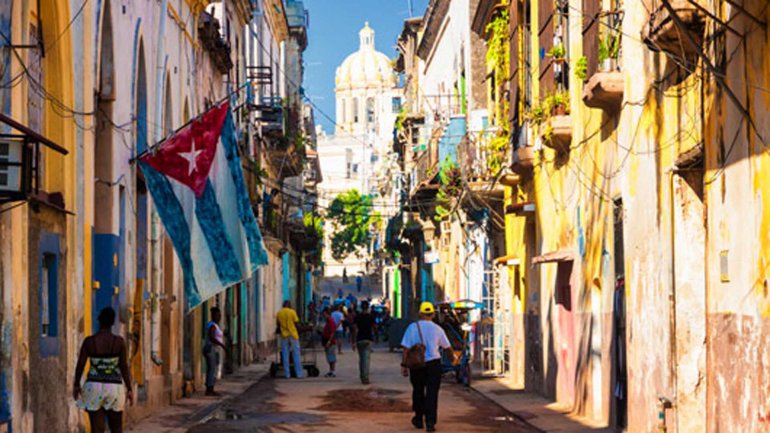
<point>344,405</point>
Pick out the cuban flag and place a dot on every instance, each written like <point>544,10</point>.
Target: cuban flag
<point>196,181</point>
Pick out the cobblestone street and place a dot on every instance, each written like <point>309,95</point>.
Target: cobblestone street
<point>343,405</point>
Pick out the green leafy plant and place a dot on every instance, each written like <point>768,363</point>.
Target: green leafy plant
<point>451,187</point>
<point>581,68</point>
<point>557,51</point>
<point>537,114</point>
<point>315,225</point>
<point>498,60</point>
<point>400,118</point>
<point>552,102</point>
<point>609,47</point>
<point>354,221</point>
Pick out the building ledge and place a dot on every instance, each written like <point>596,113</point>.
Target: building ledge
<point>604,90</point>
<point>523,159</point>
<point>557,132</point>
<point>663,33</point>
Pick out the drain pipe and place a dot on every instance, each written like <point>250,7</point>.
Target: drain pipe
<point>155,297</point>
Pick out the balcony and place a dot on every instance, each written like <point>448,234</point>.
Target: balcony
<point>604,90</point>
<point>662,32</point>
<point>556,132</point>
<point>474,157</point>
<point>523,158</point>
<point>212,40</point>
<point>270,116</point>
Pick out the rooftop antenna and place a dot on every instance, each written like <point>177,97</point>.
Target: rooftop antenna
<point>411,10</point>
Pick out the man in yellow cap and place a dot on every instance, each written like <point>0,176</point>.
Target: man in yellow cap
<point>425,380</point>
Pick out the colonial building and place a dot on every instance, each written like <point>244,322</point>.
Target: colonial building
<point>90,86</point>
<point>358,155</point>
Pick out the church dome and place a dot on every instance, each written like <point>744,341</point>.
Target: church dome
<point>366,67</point>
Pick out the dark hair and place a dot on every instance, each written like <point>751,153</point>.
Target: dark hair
<point>326,311</point>
<point>364,305</point>
<point>215,310</point>
<point>106,318</point>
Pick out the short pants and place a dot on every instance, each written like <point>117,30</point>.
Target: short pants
<point>331,354</point>
<point>340,335</point>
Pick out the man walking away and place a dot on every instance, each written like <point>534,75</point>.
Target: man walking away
<point>425,380</point>
<point>339,317</point>
<point>365,329</point>
<point>287,322</point>
<point>329,341</point>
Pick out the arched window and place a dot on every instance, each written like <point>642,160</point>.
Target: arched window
<point>370,110</point>
<point>355,110</point>
<point>343,110</point>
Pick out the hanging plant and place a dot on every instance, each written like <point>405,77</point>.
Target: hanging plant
<point>450,189</point>
<point>581,68</point>
<point>558,52</point>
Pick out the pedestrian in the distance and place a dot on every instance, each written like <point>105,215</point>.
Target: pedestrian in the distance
<point>287,324</point>
<point>215,340</point>
<point>351,320</point>
<point>425,380</point>
<point>108,383</point>
<point>329,341</point>
<point>366,327</point>
<point>339,317</point>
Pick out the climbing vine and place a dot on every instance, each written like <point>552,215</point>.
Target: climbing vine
<point>498,62</point>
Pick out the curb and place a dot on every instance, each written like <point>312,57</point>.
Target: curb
<point>506,410</point>
<point>205,414</point>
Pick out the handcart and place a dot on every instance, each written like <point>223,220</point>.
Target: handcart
<point>454,318</point>
<point>308,342</point>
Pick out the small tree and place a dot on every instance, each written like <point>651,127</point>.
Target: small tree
<point>353,220</point>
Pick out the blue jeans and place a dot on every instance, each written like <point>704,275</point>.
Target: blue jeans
<point>212,364</point>
<point>364,350</point>
<point>294,343</point>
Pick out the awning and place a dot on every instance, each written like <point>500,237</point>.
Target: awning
<point>554,257</point>
<point>31,135</point>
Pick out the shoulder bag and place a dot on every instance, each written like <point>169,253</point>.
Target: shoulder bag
<point>415,355</point>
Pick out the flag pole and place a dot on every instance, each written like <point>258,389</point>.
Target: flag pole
<point>155,146</point>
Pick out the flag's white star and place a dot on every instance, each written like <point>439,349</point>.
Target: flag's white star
<point>191,158</point>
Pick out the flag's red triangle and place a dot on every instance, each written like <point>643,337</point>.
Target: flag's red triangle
<point>188,154</point>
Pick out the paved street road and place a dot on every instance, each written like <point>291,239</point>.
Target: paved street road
<point>343,405</point>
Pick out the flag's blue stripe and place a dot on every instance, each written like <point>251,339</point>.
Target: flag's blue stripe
<point>172,215</point>
<point>257,252</point>
<point>213,228</point>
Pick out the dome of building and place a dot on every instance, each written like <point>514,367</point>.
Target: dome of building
<point>366,67</point>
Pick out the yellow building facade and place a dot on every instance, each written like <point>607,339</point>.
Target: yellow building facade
<point>638,219</point>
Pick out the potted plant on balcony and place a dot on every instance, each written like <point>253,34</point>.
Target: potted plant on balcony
<point>558,52</point>
<point>609,49</point>
<point>557,104</point>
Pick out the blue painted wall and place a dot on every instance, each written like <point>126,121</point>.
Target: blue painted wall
<point>453,134</point>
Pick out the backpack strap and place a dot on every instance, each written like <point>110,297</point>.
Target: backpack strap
<point>420,332</point>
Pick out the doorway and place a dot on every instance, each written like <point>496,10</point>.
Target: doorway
<point>618,399</point>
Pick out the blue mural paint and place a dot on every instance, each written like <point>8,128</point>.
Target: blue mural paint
<point>581,235</point>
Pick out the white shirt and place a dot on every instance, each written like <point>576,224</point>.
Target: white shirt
<point>338,316</point>
<point>433,337</point>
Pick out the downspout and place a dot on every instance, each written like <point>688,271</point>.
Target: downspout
<point>155,299</point>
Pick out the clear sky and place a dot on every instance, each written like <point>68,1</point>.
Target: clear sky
<point>333,35</point>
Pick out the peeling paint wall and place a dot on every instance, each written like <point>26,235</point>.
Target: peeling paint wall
<point>691,176</point>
